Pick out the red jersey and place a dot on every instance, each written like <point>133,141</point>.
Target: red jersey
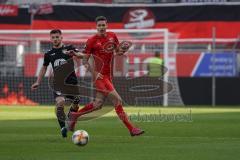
<point>102,48</point>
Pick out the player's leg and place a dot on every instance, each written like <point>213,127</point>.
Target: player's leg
<point>117,102</point>
<point>95,105</point>
<point>90,107</point>
<point>74,104</point>
<point>60,101</point>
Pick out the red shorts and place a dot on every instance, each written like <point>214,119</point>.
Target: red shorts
<point>104,85</point>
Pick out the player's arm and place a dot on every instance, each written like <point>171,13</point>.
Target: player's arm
<point>41,73</point>
<point>87,64</point>
<point>75,52</point>
<point>39,78</point>
<point>95,74</point>
<point>88,52</point>
<point>122,47</point>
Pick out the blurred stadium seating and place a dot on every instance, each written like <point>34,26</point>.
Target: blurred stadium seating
<point>113,1</point>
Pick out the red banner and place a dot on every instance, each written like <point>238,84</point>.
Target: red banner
<point>182,67</point>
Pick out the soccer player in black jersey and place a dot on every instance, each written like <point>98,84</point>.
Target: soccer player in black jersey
<point>58,55</point>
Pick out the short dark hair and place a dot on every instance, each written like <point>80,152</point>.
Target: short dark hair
<point>100,18</point>
<point>54,31</point>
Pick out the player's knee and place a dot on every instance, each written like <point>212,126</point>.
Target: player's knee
<point>60,101</point>
<point>117,102</point>
<point>98,104</point>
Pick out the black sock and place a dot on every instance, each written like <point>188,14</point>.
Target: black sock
<point>76,100</point>
<point>74,108</point>
<point>61,116</point>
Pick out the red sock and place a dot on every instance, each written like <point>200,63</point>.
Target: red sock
<point>86,109</point>
<point>123,116</point>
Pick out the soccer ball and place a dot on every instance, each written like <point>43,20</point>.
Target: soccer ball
<point>80,137</point>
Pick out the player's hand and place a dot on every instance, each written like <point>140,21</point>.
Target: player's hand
<point>123,47</point>
<point>98,75</point>
<point>34,86</point>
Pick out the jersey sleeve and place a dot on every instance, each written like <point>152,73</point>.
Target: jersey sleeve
<point>116,39</point>
<point>88,47</point>
<point>46,60</point>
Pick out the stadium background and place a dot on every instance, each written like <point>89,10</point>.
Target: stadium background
<point>193,22</point>
<point>29,128</point>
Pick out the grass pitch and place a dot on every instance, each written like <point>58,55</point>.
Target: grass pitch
<point>32,133</point>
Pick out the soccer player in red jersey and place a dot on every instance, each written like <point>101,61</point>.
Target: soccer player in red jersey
<point>102,47</point>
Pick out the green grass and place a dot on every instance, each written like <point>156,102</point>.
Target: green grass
<point>32,133</point>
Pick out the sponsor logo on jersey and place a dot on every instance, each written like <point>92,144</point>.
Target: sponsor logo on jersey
<point>59,62</point>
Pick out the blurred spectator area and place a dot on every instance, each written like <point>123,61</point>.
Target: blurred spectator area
<point>20,2</point>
